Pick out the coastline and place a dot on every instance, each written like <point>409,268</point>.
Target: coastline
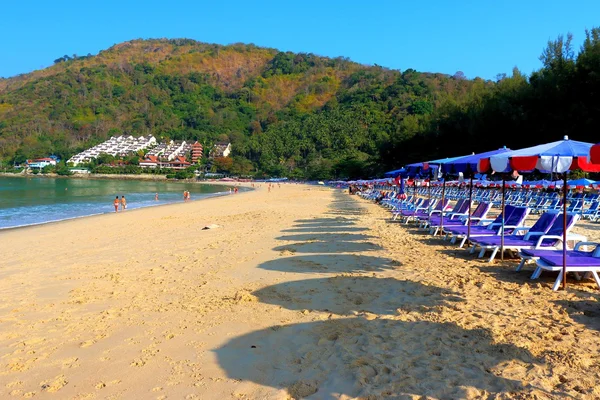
<point>129,210</point>
<point>247,189</point>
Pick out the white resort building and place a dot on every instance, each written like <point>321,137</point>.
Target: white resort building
<point>115,146</point>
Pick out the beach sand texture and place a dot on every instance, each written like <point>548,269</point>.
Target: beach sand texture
<point>301,292</point>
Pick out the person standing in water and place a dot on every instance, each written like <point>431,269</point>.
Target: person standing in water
<point>123,203</point>
<point>116,204</point>
<point>156,197</point>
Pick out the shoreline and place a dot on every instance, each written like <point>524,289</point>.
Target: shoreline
<point>58,221</point>
<point>246,189</point>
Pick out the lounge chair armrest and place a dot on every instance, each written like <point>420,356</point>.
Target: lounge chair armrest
<point>546,237</point>
<point>530,235</point>
<point>435,212</point>
<point>580,244</point>
<point>521,229</point>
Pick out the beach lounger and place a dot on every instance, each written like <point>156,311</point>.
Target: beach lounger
<point>514,218</point>
<point>477,217</point>
<point>521,237</point>
<point>577,261</point>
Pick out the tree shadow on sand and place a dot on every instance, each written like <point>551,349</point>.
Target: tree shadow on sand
<point>324,229</point>
<point>348,295</point>
<point>330,263</point>
<point>325,247</point>
<point>324,237</point>
<point>383,357</point>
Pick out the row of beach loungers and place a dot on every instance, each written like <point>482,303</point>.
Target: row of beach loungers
<point>539,244</point>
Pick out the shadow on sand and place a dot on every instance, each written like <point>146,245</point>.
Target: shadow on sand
<point>347,295</point>
<point>370,337</point>
<point>379,358</point>
<point>330,263</point>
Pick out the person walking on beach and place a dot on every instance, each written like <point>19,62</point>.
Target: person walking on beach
<point>123,203</point>
<point>116,204</point>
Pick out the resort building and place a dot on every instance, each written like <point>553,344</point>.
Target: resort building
<point>115,146</point>
<point>222,149</point>
<point>170,151</point>
<point>40,163</point>
<point>178,162</point>
<point>196,152</point>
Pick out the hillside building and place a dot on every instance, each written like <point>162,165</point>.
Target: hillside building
<point>115,146</point>
<point>196,152</point>
<point>222,149</point>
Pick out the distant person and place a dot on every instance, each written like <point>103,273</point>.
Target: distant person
<point>235,190</point>
<point>185,195</point>
<point>116,204</point>
<point>156,197</point>
<point>189,196</point>
<point>123,203</point>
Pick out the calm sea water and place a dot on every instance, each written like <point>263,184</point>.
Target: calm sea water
<point>28,201</point>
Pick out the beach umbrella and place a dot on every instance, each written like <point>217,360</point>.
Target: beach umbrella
<point>395,172</point>
<point>580,182</point>
<point>557,157</point>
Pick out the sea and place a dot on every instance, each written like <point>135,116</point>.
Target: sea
<point>38,200</point>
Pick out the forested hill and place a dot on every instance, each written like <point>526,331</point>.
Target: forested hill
<point>296,115</point>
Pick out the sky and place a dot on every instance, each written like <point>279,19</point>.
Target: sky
<point>481,38</point>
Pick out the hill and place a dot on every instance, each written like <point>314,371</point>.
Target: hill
<point>296,115</point>
<point>285,113</point>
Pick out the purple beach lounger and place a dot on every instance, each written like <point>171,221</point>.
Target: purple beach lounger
<point>545,227</point>
<point>577,261</point>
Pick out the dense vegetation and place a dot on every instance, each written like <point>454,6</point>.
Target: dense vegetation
<point>296,115</point>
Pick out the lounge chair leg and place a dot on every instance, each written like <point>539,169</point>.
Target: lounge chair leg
<point>493,255</point>
<point>558,281</point>
<point>521,264</point>
<point>481,253</point>
<point>536,274</point>
<point>462,243</point>
<point>453,240</point>
<point>596,278</point>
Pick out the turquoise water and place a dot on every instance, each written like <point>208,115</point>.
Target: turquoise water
<point>28,201</point>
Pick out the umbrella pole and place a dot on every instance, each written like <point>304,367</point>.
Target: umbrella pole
<point>414,197</point>
<point>429,197</point>
<point>564,269</point>
<point>469,213</point>
<point>443,199</point>
<point>502,227</point>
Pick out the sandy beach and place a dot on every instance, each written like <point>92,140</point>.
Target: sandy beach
<point>301,292</point>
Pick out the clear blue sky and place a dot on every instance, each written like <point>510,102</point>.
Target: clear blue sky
<point>479,37</point>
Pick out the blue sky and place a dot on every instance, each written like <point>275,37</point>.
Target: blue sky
<point>481,38</point>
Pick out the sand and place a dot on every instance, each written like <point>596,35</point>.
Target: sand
<point>301,292</point>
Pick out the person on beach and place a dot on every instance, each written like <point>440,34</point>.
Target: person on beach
<point>116,204</point>
<point>123,203</point>
<point>189,196</point>
<point>235,190</point>
<point>156,197</point>
<point>185,195</point>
